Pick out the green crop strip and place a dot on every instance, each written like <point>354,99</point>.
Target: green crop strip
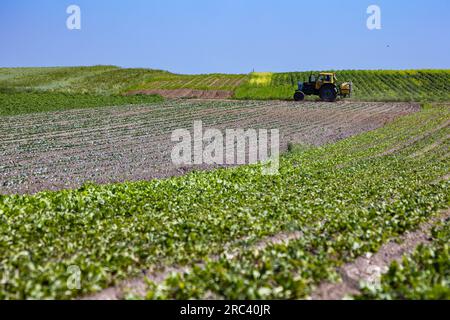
<point>15,103</point>
<point>94,80</point>
<point>369,85</point>
<point>423,275</point>
<point>345,198</point>
<point>227,82</point>
<point>110,80</point>
<point>376,85</point>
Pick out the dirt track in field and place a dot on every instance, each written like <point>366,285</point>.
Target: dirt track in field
<point>59,150</point>
<point>186,93</point>
<point>369,269</point>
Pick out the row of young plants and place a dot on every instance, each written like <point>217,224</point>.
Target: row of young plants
<point>112,232</point>
<point>15,103</point>
<point>167,116</point>
<point>379,198</point>
<point>423,275</point>
<point>369,85</point>
<point>163,119</point>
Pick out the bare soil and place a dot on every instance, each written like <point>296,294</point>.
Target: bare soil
<point>62,150</point>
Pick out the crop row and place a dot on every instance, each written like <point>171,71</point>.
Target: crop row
<point>346,201</point>
<point>423,275</point>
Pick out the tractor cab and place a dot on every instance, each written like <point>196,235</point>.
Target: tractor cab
<point>325,78</point>
<point>323,85</point>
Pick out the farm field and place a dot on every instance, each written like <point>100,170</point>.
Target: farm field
<point>110,80</point>
<point>87,181</point>
<point>369,85</point>
<point>55,150</point>
<point>93,80</point>
<point>191,86</point>
<point>422,275</point>
<point>232,232</point>
<point>16,103</point>
<point>234,159</point>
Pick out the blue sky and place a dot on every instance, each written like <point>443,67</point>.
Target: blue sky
<point>230,36</point>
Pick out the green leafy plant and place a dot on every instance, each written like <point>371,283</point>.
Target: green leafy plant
<point>423,275</point>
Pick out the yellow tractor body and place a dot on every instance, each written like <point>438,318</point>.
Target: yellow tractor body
<point>325,86</point>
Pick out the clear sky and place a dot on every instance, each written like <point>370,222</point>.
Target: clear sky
<point>230,36</point>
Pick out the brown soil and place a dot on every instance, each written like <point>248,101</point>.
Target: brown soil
<point>62,150</point>
<point>186,93</point>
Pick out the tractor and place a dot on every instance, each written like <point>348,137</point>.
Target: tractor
<point>325,86</point>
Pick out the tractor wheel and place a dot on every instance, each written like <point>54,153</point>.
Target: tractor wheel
<point>299,96</point>
<point>328,93</point>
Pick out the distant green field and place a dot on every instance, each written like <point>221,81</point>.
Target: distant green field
<point>94,80</point>
<point>369,85</point>
<point>373,85</point>
<point>215,81</point>
<point>32,102</point>
<point>111,80</point>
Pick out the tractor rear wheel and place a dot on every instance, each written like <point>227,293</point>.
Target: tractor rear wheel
<point>328,93</point>
<point>299,96</point>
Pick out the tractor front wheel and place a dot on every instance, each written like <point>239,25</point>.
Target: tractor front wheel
<point>299,96</point>
<point>328,93</point>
